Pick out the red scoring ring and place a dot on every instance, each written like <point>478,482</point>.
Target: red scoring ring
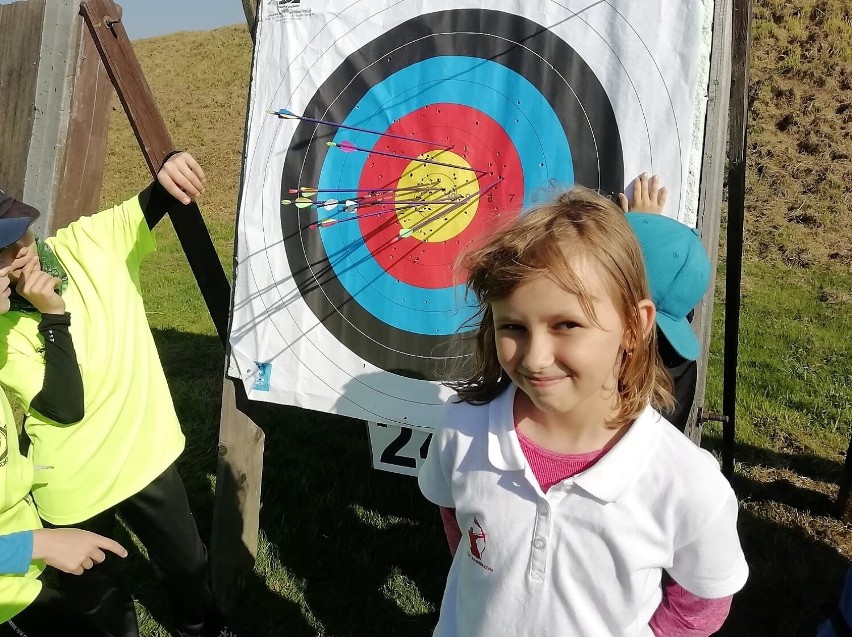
<point>484,145</point>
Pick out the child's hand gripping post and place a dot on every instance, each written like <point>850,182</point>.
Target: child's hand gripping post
<point>647,195</point>
<point>73,550</point>
<point>182,178</point>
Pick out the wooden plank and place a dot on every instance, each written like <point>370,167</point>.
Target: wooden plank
<point>741,56</point>
<point>236,515</point>
<point>844,501</point>
<point>250,7</point>
<point>79,187</point>
<point>148,125</point>
<point>57,66</point>
<point>102,18</point>
<point>710,191</point>
<point>20,47</point>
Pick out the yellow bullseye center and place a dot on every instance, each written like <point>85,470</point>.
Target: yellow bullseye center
<point>456,207</point>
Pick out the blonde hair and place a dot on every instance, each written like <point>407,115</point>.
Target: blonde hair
<point>579,223</point>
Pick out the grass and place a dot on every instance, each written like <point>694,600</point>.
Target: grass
<point>346,550</point>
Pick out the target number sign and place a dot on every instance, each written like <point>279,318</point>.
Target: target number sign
<point>398,449</point>
<point>382,144</point>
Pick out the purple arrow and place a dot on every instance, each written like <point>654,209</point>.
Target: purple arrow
<point>349,147</point>
<point>285,114</point>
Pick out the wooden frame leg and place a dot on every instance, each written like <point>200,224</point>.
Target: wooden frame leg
<point>844,506</point>
<point>236,512</point>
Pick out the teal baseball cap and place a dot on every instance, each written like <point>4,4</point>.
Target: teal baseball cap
<point>678,270</point>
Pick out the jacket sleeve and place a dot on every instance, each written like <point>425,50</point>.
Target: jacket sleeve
<point>16,551</point>
<point>61,395</point>
<point>682,614</point>
<point>156,202</point>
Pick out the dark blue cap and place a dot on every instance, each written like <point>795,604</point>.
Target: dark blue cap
<point>15,218</point>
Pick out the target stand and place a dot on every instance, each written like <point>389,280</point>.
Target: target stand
<point>374,165</point>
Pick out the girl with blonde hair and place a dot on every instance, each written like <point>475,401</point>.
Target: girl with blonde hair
<point>577,509</point>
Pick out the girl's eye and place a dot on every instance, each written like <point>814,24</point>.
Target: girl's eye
<point>567,325</point>
<point>510,327</point>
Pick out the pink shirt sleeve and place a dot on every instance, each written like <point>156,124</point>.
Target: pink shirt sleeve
<point>451,529</point>
<point>682,614</point>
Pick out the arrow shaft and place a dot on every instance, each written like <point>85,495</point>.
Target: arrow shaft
<point>454,205</point>
<point>410,189</point>
<point>365,130</point>
<point>418,159</point>
<point>459,204</point>
<point>318,224</point>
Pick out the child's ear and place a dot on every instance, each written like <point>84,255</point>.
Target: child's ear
<point>647,318</point>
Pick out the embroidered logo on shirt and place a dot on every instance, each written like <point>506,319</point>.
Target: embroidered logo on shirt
<point>478,540</point>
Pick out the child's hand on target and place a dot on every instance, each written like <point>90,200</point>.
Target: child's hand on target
<point>182,178</point>
<point>647,195</point>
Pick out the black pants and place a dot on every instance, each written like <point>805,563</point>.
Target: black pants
<point>48,616</point>
<point>159,515</point>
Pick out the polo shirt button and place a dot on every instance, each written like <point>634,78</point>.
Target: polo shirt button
<point>543,510</point>
<point>539,543</point>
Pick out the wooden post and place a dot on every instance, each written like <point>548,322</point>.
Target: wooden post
<point>52,123</point>
<point>844,502</point>
<point>236,520</point>
<point>736,218</point>
<point>79,188</point>
<point>236,512</point>
<point>20,46</point>
<point>710,192</point>
<point>250,7</point>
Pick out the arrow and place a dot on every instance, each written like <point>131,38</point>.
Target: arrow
<point>407,232</point>
<point>285,114</point>
<point>299,202</point>
<point>349,147</point>
<point>328,204</point>
<point>309,192</point>
<point>364,202</point>
<point>325,223</point>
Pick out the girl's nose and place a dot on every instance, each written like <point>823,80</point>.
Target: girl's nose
<point>539,354</point>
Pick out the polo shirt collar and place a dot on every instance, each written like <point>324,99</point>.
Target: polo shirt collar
<point>608,479</point>
<point>611,476</point>
<point>504,450</point>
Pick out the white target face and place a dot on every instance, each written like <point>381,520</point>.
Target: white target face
<point>382,142</point>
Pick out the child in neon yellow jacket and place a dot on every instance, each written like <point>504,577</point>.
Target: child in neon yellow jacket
<point>27,607</point>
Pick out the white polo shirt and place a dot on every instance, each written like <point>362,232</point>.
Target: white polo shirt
<point>587,557</point>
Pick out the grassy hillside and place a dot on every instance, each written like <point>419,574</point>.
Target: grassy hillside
<point>350,551</point>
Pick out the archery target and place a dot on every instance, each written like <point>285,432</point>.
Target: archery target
<point>528,115</point>
<point>354,309</point>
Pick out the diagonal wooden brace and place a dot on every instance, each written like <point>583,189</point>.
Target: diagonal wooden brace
<point>102,18</point>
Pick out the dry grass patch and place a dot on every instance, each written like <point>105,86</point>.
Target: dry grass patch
<point>800,141</point>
